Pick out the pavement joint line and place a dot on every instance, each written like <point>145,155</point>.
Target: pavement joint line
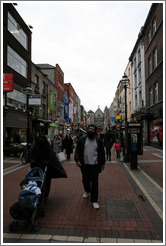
<point>10,169</point>
<point>152,202</point>
<point>151,180</point>
<point>157,155</point>
<point>149,161</point>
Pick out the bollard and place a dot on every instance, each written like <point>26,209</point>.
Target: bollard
<point>133,161</point>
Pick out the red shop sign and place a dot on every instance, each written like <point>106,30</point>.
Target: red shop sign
<point>7,82</point>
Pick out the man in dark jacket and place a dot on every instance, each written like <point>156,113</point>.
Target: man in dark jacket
<point>108,142</point>
<point>90,157</point>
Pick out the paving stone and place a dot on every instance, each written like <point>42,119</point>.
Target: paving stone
<point>75,239</point>
<point>28,236</point>
<point>59,238</point>
<point>13,235</point>
<point>43,237</point>
<point>108,240</point>
<point>125,240</point>
<point>91,240</point>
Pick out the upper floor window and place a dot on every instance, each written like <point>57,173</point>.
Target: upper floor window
<point>139,76</point>
<point>150,65</point>
<point>155,58</point>
<point>149,36</point>
<point>15,61</point>
<point>156,92</point>
<point>151,96</point>
<point>44,88</point>
<point>139,56</point>
<point>36,82</point>
<point>154,26</point>
<point>135,79</point>
<point>15,29</point>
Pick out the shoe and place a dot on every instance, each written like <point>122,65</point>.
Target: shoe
<point>85,195</point>
<point>95,205</point>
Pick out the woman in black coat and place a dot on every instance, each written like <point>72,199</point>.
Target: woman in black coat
<point>68,145</point>
<point>42,155</point>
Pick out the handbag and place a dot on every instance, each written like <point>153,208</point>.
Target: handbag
<point>61,156</point>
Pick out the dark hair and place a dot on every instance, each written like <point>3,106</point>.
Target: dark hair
<point>24,182</point>
<point>92,125</point>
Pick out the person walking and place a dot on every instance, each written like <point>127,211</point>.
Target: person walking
<point>42,155</point>
<point>108,144</point>
<point>68,145</point>
<point>62,139</point>
<point>117,148</point>
<point>90,157</point>
<point>57,144</point>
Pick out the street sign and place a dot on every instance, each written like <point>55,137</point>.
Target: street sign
<point>35,100</point>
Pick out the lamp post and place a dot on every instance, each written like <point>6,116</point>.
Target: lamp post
<point>125,81</point>
<point>27,91</point>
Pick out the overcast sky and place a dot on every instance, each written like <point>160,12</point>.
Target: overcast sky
<point>90,40</point>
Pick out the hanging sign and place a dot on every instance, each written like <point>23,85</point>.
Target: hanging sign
<point>7,82</point>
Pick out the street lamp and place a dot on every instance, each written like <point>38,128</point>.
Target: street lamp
<point>27,91</point>
<point>125,81</point>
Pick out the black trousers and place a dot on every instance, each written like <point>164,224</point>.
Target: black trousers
<point>108,152</point>
<point>90,175</point>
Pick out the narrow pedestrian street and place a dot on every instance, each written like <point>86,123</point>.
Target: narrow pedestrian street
<point>131,204</point>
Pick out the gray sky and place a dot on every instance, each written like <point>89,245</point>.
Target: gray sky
<point>90,40</point>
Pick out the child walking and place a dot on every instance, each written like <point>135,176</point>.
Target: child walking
<point>117,148</point>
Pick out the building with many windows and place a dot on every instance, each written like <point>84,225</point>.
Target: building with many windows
<point>153,35</point>
<point>16,61</point>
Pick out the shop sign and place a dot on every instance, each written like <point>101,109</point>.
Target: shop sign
<point>35,100</point>
<point>7,82</point>
<point>53,124</point>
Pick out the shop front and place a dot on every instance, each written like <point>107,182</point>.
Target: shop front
<point>15,127</point>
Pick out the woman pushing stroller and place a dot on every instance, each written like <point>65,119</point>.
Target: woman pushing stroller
<point>42,156</point>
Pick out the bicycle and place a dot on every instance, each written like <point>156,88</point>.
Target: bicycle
<point>25,155</point>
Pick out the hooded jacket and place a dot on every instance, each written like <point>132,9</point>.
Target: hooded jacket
<point>79,152</point>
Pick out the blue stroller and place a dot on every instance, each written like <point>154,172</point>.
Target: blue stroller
<point>30,205</point>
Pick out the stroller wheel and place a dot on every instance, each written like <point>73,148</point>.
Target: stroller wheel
<point>14,226</point>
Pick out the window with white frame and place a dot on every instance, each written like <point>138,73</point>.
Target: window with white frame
<point>15,29</point>
<point>36,82</point>
<point>139,76</point>
<point>135,80</point>
<point>151,96</point>
<point>154,26</point>
<point>150,64</point>
<point>149,36</point>
<point>136,103</point>
<point>156,92</point>
<point>155,58</point>
<point>15,61</point>
<point>139,56</point>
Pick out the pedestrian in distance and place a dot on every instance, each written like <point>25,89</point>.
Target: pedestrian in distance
<point>57,144</point>
<point>108,142</point>
<point>62,139</point>
<point>48,139</point>
<point>90,157</point>
<point>68,145</point>
<point>117,148</point>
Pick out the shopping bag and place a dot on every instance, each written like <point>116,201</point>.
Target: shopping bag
<point>61,156</point>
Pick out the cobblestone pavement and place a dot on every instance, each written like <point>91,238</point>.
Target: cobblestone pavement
<point>131,204</point>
